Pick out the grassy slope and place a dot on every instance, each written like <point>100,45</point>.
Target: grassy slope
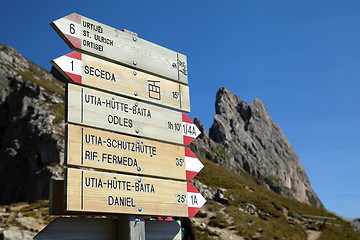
<point>276,217</point>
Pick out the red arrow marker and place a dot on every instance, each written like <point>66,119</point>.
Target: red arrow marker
<point>192,164</point>
<point>190,131</point>
<point>71,65</point>
<point>72,35</point>
<point>195,200</point>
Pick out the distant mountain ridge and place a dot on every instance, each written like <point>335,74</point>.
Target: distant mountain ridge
<point>245,138</point>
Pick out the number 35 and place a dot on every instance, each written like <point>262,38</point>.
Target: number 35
<point>179,162</point>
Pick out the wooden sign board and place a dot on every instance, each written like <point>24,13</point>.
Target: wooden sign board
<point>107,111</point>
<point>88,36</point>
<point>104,75</point>
<point>80,228</point>
<point>88,147</point>
<point>94,191</point>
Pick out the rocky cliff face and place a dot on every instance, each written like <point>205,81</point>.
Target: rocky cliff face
<point>31,128</point>
<point>245,138</point>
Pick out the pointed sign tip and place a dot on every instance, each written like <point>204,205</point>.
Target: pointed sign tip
<point>74,17</point>
<point>192,211</point>
<point>69,66</point>
<point>189,153</point>
<point>186,118</point>
<point>190,175</point>
<point>76,78</point>
<point>193,132</point>
<point>191,188</point>
<point>192,164</point>
<point>74,54</point>
<point>74,41</point>
<point>187,140</point>
<point>195,200</point>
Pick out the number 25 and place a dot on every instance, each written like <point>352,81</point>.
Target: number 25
<point>181,198</point>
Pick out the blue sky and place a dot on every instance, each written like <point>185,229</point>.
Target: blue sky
<point>301,58</point>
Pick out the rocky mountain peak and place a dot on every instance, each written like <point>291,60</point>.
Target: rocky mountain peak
<point>260,112</point>
<point>238,108</point>
<point>254,143</point>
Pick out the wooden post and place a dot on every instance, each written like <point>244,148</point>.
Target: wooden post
<point>130,227</point>
<point>56,197</point>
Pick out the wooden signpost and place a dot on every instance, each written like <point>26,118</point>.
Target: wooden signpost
<point>124,156</point>
<point>102,192</point>
<point>97,39</point>
<point>88,147</point>
<point>94,72</point>
<point>98,109</point>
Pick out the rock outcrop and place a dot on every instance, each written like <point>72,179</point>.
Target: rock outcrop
<point>31,128</point>
<point>245,138</point>
<point>355,223</point>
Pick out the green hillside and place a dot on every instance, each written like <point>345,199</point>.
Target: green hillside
<point>257,213</point>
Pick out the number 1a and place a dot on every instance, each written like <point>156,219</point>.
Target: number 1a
<point>194,200</point>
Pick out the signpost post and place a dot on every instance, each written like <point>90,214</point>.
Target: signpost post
<point>134,154</point>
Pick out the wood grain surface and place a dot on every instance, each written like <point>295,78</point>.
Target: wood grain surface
<point>97,39</point>
<point>104,75</point>
<point>98,109</point>
<point>87,147</point>
<point>102,192</point>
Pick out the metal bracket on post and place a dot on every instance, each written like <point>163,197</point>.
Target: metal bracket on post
<point>130,32</point>
<point>130,227</point>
